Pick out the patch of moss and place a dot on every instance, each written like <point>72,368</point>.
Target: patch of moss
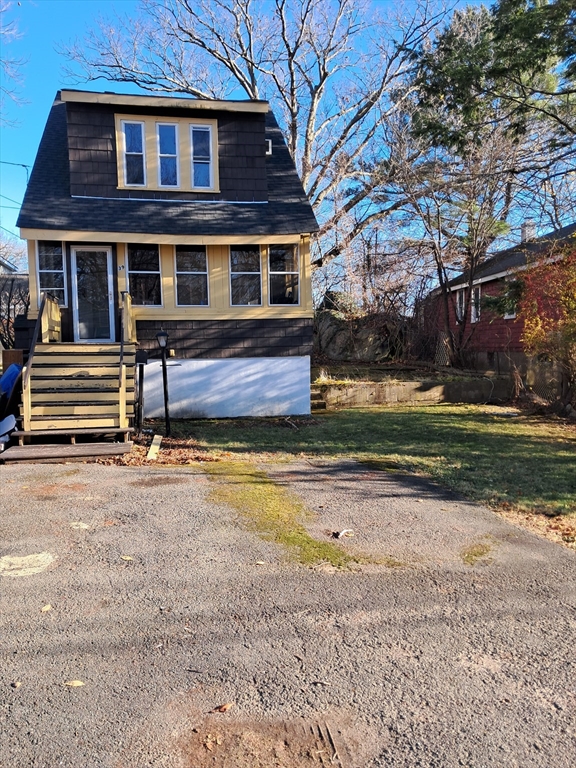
<point>479,551</point>
<point>273,512</point>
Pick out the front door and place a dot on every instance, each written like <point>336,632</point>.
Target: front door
<point>92,294</point>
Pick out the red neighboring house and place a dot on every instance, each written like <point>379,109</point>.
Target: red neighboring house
<point>492,342</point>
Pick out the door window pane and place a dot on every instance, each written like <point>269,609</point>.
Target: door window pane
<point>92,286</point>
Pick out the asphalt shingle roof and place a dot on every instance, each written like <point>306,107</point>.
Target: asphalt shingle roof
<point>49,205</point>
<point>519,255</point>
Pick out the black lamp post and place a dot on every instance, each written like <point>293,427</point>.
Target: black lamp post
<point>162,339</point>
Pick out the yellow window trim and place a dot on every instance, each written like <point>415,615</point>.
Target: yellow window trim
<point>151,152</point>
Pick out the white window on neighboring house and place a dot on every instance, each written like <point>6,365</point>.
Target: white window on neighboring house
<point>144,278</point>
<point>134,157</point>
<point>245,276</point>
<point>51,270</point>
<point>167,136</point>
<point>201,150</point>
<point>475,307</point>
<point>283,274</point>
<point>460,304</point>
<point>511,315</point>
<point>191,276</point>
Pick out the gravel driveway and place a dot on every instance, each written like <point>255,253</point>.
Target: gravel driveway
<point>166,607</point>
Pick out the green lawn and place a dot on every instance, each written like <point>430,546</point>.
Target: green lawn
<point>480,451</point>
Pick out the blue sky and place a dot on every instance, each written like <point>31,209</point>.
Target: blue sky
<point>43,25</point>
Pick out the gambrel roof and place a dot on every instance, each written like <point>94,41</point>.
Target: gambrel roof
<point>74,185</point>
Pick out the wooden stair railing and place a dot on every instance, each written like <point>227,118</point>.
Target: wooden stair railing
<point>48,328</point>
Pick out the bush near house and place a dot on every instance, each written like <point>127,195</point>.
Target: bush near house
<point>548,310</point>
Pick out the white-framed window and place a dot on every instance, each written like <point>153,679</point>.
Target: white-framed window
<point>475,305</point>
<point>134,154</point>
<point>191,276</point>
<point>201,154</point>
<point>283,274</point>
<point>460,304</point>
<point>512,314</point>
<point>168,161</point>
<point>245,276</point>
<point>144,277</point>
<point>51,270</point>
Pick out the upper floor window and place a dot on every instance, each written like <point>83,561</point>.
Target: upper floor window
<point>245,276</point>
<point>283,274</point>
<point>191,276</point>
<point>173,154</point>
<point>201,142</point>
<point>167,155</point>
<point>51,270</point>
<point>134,157</point>
<point>144,274</point>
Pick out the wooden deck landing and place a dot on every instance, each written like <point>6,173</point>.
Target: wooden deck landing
<point>55,454</point>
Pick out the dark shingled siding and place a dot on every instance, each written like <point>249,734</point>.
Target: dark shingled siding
<point>93,163</point>
<point>211,339</point>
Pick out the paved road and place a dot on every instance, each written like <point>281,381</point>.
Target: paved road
<point>433,663</point>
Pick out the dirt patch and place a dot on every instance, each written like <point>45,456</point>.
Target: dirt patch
<point>245,744</point>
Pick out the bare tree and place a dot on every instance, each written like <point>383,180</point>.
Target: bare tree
<point>327,66</point>
<point>14,293</point>
<point>10,67</point>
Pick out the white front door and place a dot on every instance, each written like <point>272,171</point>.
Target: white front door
<point>92,294</point>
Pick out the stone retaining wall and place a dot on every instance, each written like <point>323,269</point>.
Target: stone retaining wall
<point>486,390</point>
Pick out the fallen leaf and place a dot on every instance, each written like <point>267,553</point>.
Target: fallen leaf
<point>126,557</point>
<point>46,608</point>
<point>74,683</point>
<point>108,523</point>
<point>17,684</point>
<point>260,562</point>
<point>79,526</point>
<point>224,707</point>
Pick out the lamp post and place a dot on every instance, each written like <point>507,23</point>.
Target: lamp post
<point>162,339</point>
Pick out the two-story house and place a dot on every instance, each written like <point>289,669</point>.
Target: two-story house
<point>150,213</point>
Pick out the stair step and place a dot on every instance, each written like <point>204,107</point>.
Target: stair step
<point>79,348</point>
<point>62,453</point>
<point>112,359</point>
<point>73,385</point>
<point>65,423</point>
<point>317,406</point>
<point>73,370</point>
<point>85,410</point>
<point>84,396</point>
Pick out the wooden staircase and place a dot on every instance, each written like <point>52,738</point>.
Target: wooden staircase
<point>79,389</point>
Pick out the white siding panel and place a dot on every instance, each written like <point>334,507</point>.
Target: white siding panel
<point>218,389</point>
